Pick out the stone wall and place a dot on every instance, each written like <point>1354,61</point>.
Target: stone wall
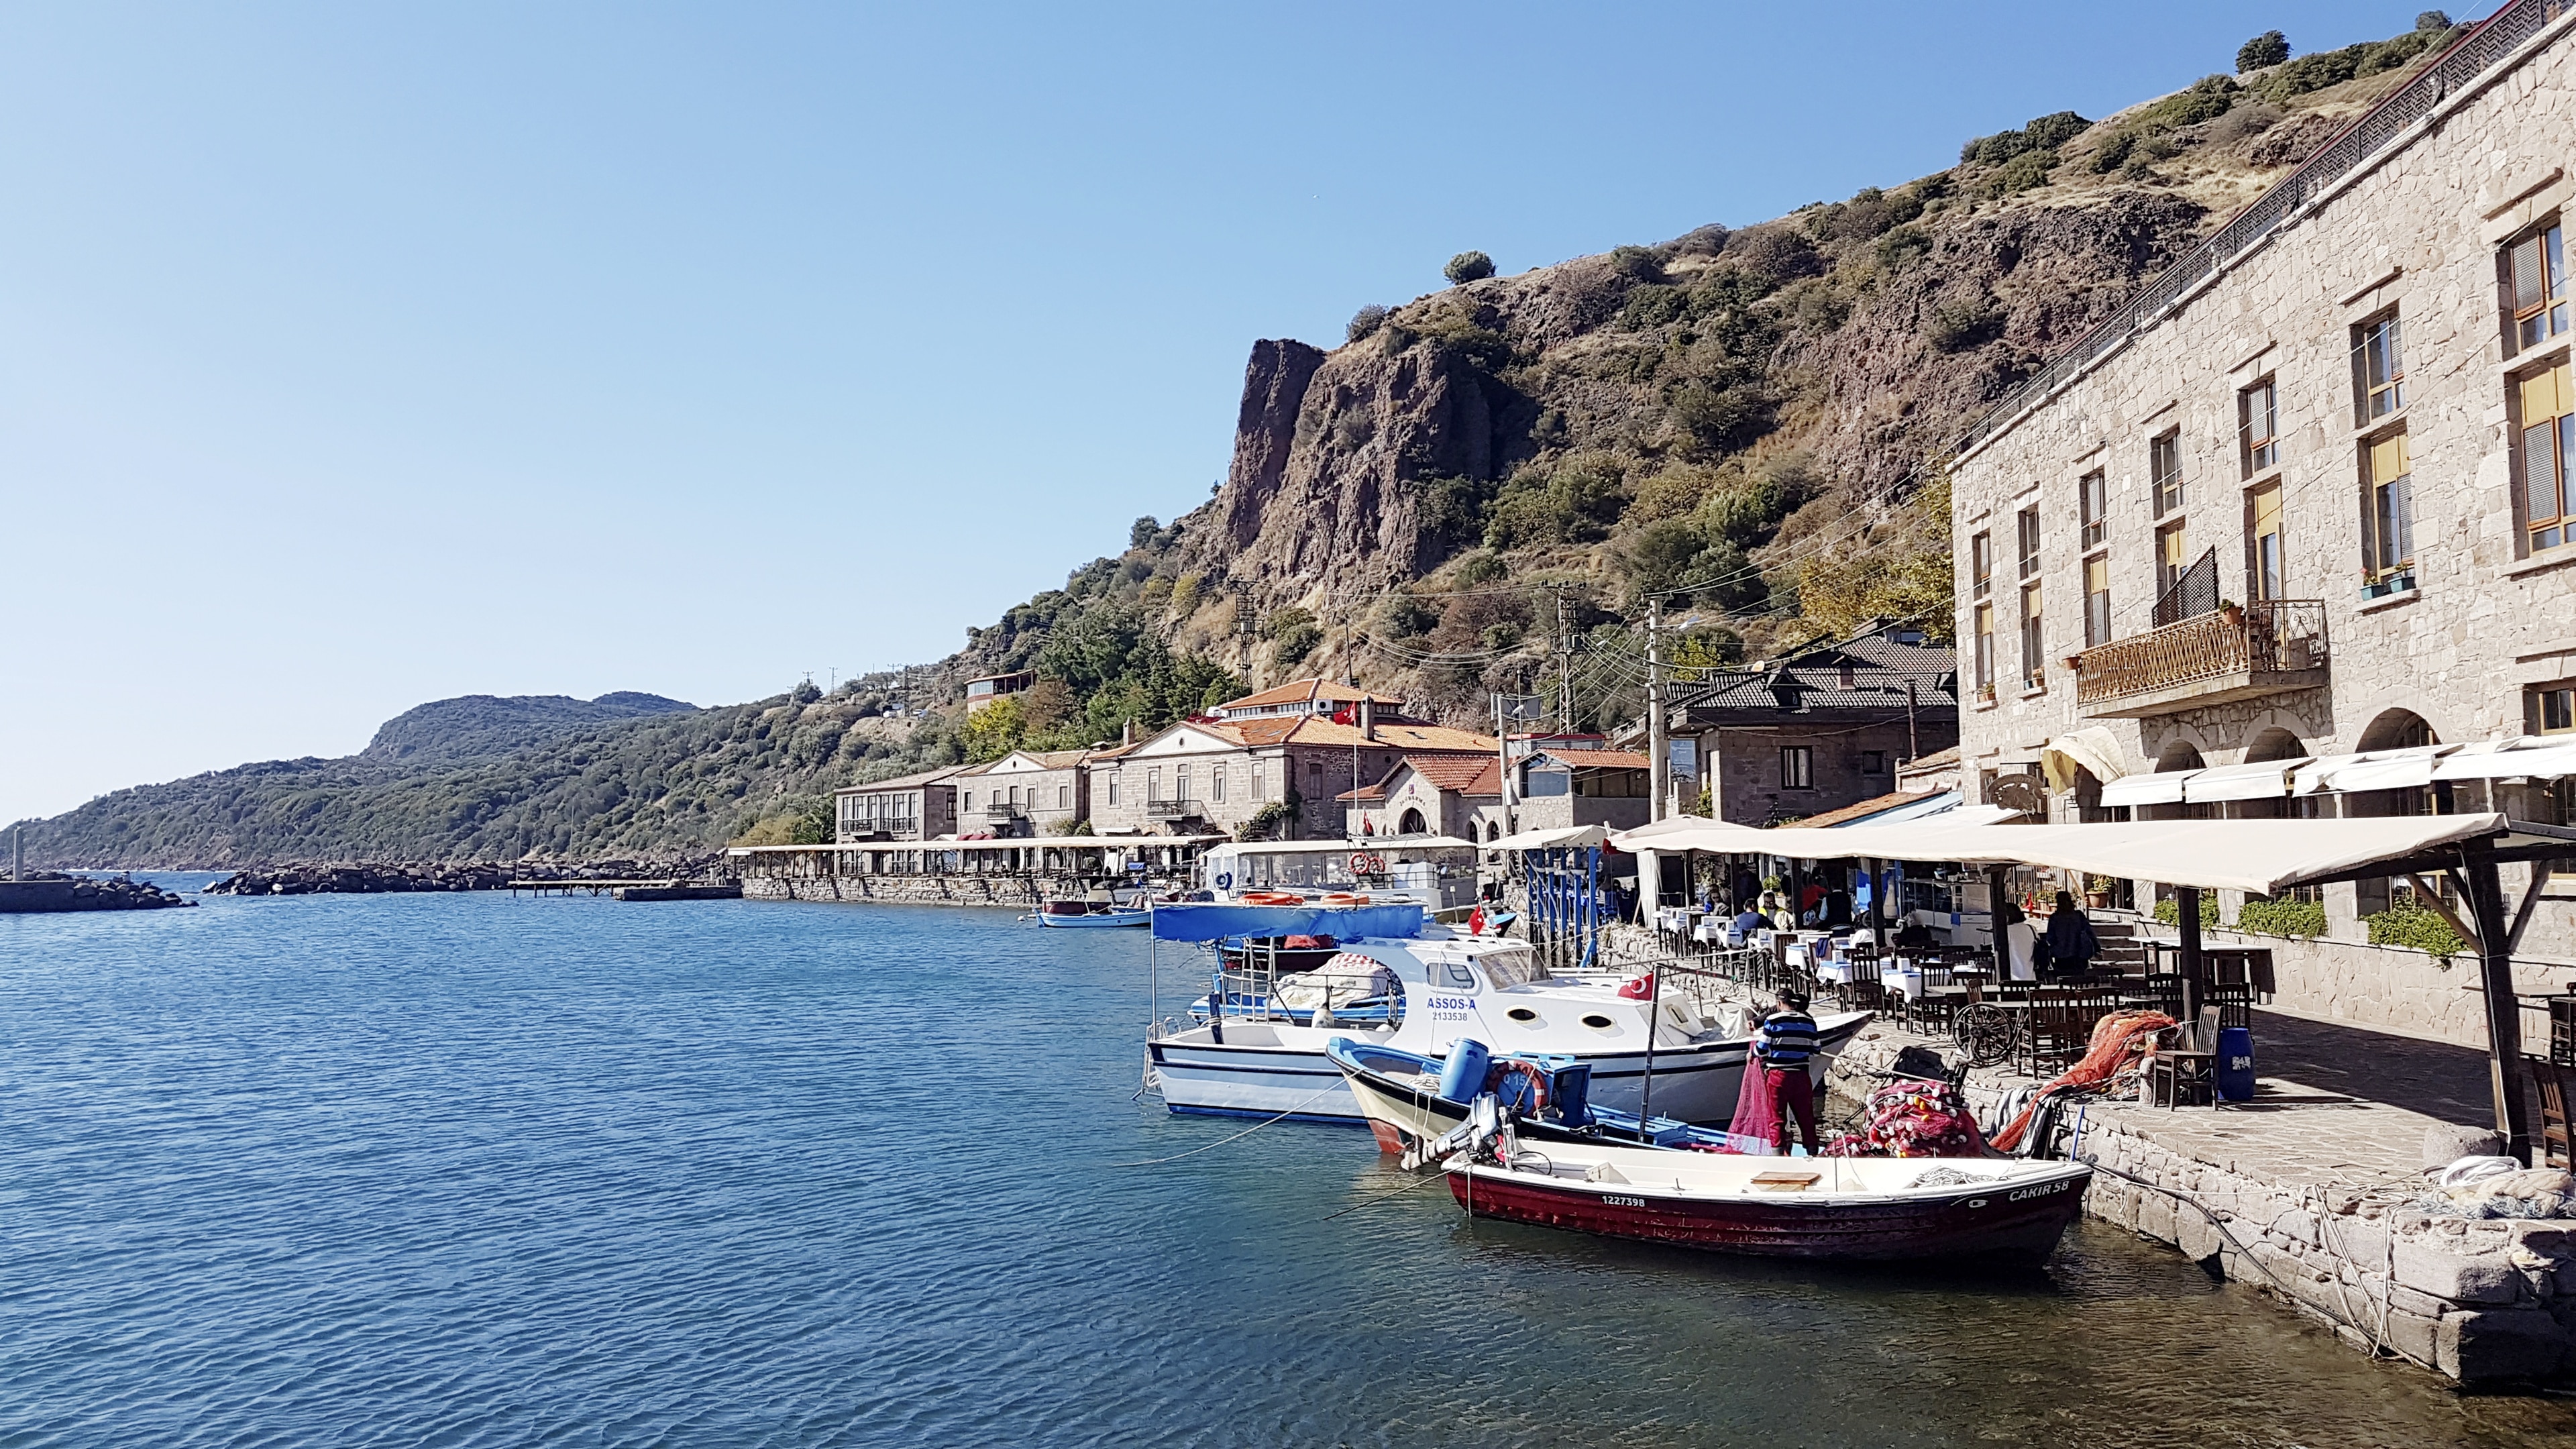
<point>1018,892</point>
<point>2387,988</point>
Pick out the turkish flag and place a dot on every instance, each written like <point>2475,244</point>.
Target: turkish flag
<point>1344,716</point>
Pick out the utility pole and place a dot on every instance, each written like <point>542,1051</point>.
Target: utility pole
<point>1657,766</point>
<point>1564,670</point>
<point>1503,752</point>
<point>1913,751</point>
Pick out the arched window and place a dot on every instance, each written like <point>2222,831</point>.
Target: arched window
<point>1412,823</point>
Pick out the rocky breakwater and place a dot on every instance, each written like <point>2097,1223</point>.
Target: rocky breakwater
<point>307,879</point>
<point>53,891</point>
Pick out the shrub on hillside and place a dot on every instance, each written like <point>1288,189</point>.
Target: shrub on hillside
<point>1290,646</point>
<point>1573,501</point>
<point>2025,172</point>
<point>1775,254</point>
<point>1958,326</point>
<point>1482,567</point>
<point>1402,616</point>
<point>2267,49</point>
<point>1364,323</point>
<point>1718,420</point>
<point>2205,99</point>
<point>1468,267</point>
<point>1637,264</point>
<point>2334,67</point>
<point>1903,247</point>
<point>1700,241</point>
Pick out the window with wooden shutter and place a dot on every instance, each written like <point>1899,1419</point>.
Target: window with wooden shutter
<point>1986,650</point>
<point>2378,371</point>
<point>2034,665</point>
<point>2092,506</point>
<point>2028,528</point>
<point>1981,565</point>
<point>2258,426</point>
<point>2097,601</point>
<point>2164,471</point>
<point>2547,455</point>
<point>2535,279</point>
<point>2263,544</point>
<point>2391,485</point>
<point>2170,562</point>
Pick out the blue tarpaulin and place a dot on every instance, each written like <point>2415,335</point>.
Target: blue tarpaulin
<point>1193,922</point>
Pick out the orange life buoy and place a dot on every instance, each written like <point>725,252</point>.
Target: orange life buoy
<point>1529,1071</point>
<point>1344,898</point>
<point>1271,898</point>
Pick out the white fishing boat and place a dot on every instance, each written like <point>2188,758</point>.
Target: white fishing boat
<point>1262,1056</point>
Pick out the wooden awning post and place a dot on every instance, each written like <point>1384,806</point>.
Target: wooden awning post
<point>2187,916</point>
<point>1996,878</point>
<point>2504,1012</point>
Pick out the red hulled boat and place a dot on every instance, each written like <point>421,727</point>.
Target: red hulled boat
<point>1790,1207</point>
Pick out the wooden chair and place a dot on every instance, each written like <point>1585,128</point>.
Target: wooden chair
<point>2186,1073</point>
<point>1935,1001</point>
<point>2555,1140</point>
<point>1864,991</point>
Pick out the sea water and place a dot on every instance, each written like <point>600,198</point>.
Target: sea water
<point>477,1170</point>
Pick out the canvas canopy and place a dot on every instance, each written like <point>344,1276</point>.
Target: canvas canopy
<point>2523,757</point>
<point>1218,922</point>
<point>2161,788</point>
<point>1346,847</point>
<point>1571,836</point>
<point>2260,856</point>
<point>2261,780</point>
<point>2096,750</point>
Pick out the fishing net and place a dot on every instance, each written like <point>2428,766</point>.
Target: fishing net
<point>2115,1054</point>
<point>1912,1118</point>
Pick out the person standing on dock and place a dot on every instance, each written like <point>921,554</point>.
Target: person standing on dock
<point>2071,942</point>
<point>1785,1042</point>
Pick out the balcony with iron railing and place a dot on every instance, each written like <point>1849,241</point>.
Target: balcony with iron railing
<point>1006,810</point>
<point>2270,646</point>
<point>1171,809</point>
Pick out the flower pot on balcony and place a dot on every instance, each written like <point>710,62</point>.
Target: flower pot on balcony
<point>2073,661</point>
<point>2233,614</point>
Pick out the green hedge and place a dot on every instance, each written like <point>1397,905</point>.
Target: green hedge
<point>2282,918</point>
<point>2171,914</point>
<point>2408,924</point>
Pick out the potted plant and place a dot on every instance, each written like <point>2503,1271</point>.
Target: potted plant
<point>2233,612</point>
<point>2073,662</point>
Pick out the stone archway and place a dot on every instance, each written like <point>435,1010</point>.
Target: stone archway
<point>1412,823</point>
<point>2278,744</point>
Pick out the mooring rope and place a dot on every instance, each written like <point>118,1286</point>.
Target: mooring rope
<point>1220,1142</point>
<point>1381,1197</point>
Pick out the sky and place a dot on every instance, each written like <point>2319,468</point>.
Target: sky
<point>357,356</point>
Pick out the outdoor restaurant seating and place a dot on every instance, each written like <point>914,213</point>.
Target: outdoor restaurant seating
<point>2185,1073</point>
<point>2552,1078</point>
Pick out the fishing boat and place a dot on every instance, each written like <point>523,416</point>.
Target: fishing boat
<point>1096,910</point>
<point>1253,1056</point>
<point>1401,1094</point>
<point>1787,1207</point>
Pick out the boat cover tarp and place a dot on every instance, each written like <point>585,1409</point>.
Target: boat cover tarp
<point>2261,856</point>
<point>1346,980</point>
<point>1220,921</point>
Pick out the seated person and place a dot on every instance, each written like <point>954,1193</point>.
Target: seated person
<point>1916,936</point>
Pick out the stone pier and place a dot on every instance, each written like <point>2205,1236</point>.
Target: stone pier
<point>1019,892</point>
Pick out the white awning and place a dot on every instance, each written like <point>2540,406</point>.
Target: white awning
<point>1563,836</point>
<point>1362,843</point>
<point>2095,750</point>
<point>2371,770</point>
<point>1965,815</point>
<point>2526,757</point>
<point>1693,832</point>
<point>2164,787</point>
<point>2254,780</point>
<point>2260,856</point>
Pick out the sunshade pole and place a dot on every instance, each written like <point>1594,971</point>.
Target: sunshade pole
<point>2504,1012</point>
<point>1996,878</point>
<point>2187,917</point>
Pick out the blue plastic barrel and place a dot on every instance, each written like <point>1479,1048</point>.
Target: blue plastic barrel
<point>2235,1064</point>
<point>1573,1096</point>
<point>1464,1076</point>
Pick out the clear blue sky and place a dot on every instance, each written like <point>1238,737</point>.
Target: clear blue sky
<point>354,356</point>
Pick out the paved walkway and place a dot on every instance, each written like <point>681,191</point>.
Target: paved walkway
<point>2332,1104</point>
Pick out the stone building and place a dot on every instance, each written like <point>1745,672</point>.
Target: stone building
<point>2308,496</point>
<point>1026,792</point>
<point>1278,752</point>
<point>1460,796</point>
<point>1560,787</point>
<point>910,807</point>
<point>994,687</point>
<point>1818,729</point>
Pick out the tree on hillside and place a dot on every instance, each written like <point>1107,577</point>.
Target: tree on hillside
<point>995,730</point>
<point>1365,322</point>
<point>1468,267</point>
<point>2267,49</point>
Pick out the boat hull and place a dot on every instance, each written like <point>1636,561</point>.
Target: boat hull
<point>1095,921</point>
<point>2012,1220</point>
<point>1261,1076</point>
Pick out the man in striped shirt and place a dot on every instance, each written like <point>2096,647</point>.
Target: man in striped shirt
<point>1784,1043</point>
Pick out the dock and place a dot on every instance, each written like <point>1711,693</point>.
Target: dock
<point>635,890</point>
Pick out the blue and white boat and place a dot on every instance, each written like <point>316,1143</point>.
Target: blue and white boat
<point>1098,910</point>
<point>1258,1058</point>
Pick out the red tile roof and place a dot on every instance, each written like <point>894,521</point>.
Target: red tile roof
<point>1299,691</point>
<point>1601,759</point>
<point>1449,774</point>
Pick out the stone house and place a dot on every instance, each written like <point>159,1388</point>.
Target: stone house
<point>1561,787</point>
<point>1460,796</point>
<point>909,807</point>
<point>2311,494</point>
<point>1815,730</point>
<point>1026,792</point>
<point>1214,774</point>
<point>991,687</point>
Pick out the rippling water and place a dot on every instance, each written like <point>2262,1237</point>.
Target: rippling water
<point>467,1170</point>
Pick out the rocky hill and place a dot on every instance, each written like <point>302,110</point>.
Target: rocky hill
<point>1477,489</point>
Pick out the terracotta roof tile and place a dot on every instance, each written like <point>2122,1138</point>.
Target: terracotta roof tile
<point>1297,691</point>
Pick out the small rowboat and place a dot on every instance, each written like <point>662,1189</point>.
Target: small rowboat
<point>1084,915</point>
<point>1789,1207</point>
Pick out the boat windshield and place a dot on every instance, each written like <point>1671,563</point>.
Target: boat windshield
<point>1510,966</point>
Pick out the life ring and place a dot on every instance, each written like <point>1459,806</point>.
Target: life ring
<point>1344,898</point>
<point>1359,862</point>
<point>1528,1072</point>
<point>1271,898</point>
<point>1377,865</point>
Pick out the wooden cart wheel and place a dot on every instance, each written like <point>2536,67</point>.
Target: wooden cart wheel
<point>1986,1032</point>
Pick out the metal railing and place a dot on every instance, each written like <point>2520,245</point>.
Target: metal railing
<point>2467,58</point>
<point>1004,810</point>
<point>1170,809</point>
<point>2274,636</point>
<point>2193,593</point>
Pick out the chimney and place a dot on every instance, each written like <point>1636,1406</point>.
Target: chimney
<point>1127,733</point>
<point>1368,718</point>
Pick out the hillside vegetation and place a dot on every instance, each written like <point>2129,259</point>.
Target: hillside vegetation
<point>1479,489</point>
